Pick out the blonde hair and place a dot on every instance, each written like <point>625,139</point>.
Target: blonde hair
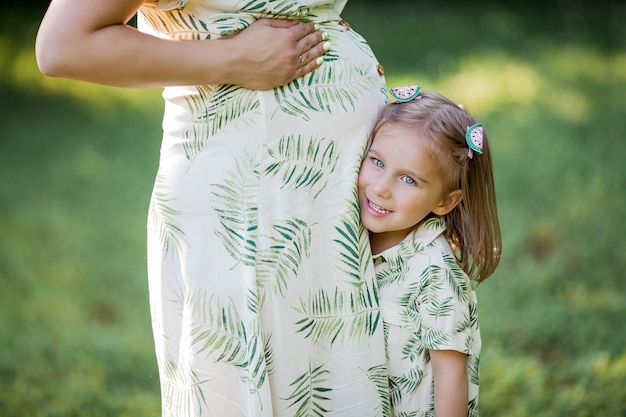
<point>473,228</point>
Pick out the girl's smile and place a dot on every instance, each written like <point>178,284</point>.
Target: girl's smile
<point>377,210</point>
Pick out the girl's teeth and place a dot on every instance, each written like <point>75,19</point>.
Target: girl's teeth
<point>378,209</point>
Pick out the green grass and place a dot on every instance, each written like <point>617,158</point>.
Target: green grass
<point>75,326</point>
<point>77,164</point>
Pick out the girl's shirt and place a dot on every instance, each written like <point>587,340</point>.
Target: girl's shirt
<point>427,303</point>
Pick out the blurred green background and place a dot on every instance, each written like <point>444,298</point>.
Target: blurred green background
<point>77,163</point>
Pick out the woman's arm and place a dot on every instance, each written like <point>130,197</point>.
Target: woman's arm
<point>450,378</point>
<point>89,40</point>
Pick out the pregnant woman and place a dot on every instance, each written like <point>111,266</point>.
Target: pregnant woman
<point>261,285</point>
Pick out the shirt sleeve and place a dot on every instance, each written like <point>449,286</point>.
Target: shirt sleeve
<point>445,307</point>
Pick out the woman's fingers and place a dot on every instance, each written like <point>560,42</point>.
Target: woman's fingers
<point>310,40</point>
<point>314,48</point>
<point>311,59</point>
<point>312,44</point>
<point>272,52</point>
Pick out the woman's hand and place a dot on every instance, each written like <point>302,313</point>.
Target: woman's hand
<point>273,52</point>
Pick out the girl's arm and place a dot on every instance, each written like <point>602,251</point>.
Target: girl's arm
<point>450,378</point>
<point>89,40</point>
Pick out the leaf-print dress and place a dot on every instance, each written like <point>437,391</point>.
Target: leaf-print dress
<point>427,303</point>
<point>262,289</point>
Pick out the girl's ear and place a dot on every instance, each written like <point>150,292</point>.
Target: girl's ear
<point>449,202</point>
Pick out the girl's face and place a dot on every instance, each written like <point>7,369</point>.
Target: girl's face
<point>399,185</point>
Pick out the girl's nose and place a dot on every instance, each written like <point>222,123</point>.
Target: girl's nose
<point>381,188</point>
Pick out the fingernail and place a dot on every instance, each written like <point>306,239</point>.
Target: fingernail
<point>319,61</point>
<point>324,36</point>
<point>327,46</point>
<point>317,26</point>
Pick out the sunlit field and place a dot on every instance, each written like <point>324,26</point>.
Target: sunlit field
<point>77,163</point>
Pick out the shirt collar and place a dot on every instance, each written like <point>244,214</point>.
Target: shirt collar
<point>414,242</point>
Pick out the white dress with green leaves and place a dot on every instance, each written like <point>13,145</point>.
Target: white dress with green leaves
<point>261,283</point>
<point>427,303</point>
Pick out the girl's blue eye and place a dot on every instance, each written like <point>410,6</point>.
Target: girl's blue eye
<point>378,162</point>
<point>408,180</point>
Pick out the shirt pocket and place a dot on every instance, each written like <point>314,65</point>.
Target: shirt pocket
<point>395,315</point>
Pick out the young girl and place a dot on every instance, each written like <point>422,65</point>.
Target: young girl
<point>427,197</point>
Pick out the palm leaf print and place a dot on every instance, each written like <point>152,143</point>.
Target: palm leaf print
<point>432,279</point>
<point>268,354</point>
<point>213,108</point>
<point>435,222</point>
<point>457,279</point>
<point>472,409</point>
<point>435,338</point>
<point>304,163</point>
<point>414,349</point>
<point>378,376</point>
<point>169,4</point>
<point>218,329</point>
<point>257,366</point>
<point>410,414</point>
<point>237,210</point>
<point>354,252</point>
<point>327,89</point>
<point>177,24</point>
<point>276,7</point>
<point>253,302</point>
<point>261,362</point>
<point>441,307</point>
<point>389,276</point>
<point>406,383</point>
<point>473,313</point>
<point>278,264</point>
<point>356,38</point>
<point>309,393</point>
<point>410,306</point>
<point>343,316</point>
<point>465,324</point>
<point>182,387</point>
<point>408,248</point>
<point>163,216</point>
<point>229,23</point>
<point>473,369</point>
<point>331,55</point>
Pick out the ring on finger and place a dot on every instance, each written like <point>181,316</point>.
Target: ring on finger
<point>301,60</point>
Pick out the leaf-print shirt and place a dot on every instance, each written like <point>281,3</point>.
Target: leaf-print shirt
<point>427,303</point>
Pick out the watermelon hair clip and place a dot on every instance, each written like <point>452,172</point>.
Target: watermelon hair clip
<point>403,94</point>
<point>474,138</point>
